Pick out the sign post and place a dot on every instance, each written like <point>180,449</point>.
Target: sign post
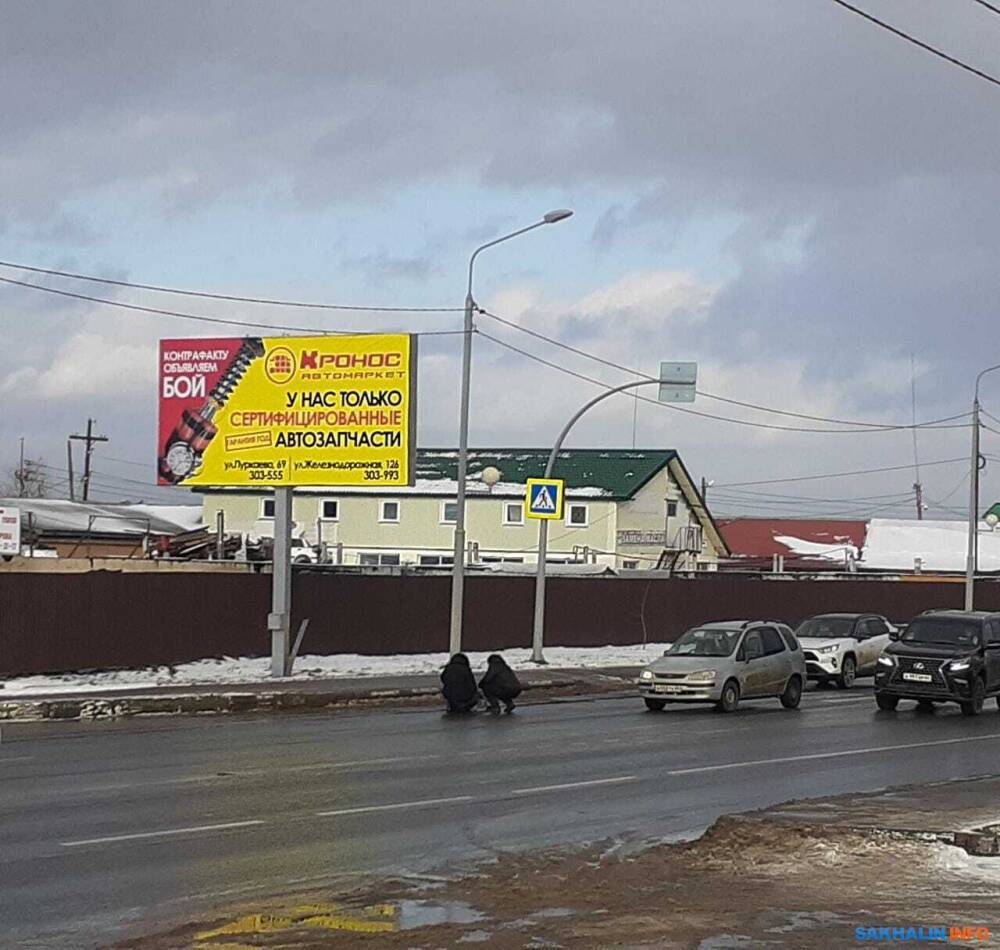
<point>279,620</point>
<point>677,384</point>
<point>281,412</point>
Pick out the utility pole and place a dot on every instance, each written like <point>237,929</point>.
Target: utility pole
<point>918,491</point>
<point>704,489</point>
<point>20,472</point>
<point>973,539</point>
<point>69,470</point>
<point>90,439</point>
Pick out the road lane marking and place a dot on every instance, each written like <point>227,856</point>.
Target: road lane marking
<point>832,755</point>
<point>423,803</point>
<point>617,780</point>
<point>194,829</point>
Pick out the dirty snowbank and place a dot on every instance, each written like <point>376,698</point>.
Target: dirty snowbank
<point>236,670</point>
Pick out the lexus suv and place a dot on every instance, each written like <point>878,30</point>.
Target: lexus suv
<point>840,647</point>
<point>943,656</point>
<point>723,663</point>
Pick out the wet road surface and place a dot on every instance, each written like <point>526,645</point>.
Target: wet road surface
<point>112,829</point>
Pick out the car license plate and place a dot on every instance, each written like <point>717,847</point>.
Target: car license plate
<point>919,677</point>
<point>668,689</point>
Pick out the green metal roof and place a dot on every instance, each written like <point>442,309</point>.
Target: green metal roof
<point>610,473</point>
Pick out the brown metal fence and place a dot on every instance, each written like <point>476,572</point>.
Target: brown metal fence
<point>105,620</point>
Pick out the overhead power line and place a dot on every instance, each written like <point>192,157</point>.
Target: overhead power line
<point>693,412</point>
<point>933,50</point>
<point>989,6</point>
<point>632,371</point>
<point>860,471</point>
<point>269,301</point>
<point>752,495</point>
<point>201,318</point>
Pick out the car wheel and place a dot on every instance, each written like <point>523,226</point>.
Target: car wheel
<point>886,702</point>
<point>655,705</point>
<point>730,698</point>
<point>792,695</point>
<point>975,705</point>
<point>302,559</point>
<point>848,673</point>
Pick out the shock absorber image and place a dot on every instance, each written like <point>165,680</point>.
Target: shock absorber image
<point>194,431</point>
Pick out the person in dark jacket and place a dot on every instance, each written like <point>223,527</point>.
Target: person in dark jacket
<point>459,685</point>
<point>499,684</point>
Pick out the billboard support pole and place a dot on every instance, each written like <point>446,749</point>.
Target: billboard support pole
<point>279,621</point>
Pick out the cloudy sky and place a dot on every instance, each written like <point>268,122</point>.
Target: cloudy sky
<point>799,201</point>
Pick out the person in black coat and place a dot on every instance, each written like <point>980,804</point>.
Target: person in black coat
<point>459,685</point>
<point>499,684</point>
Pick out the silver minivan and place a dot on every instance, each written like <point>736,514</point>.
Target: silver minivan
<point>726,662</point>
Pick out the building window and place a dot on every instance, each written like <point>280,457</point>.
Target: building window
<point>494,559</point>
<point>435,560</point>
<point>630,565</point>
<point>513,512</point>
<point>388,511</point>
<point>578,516</point>
<point>379,560</point>
<point>671,509</point>
<point>329,509</point>
<point>267,507</point>
<point>449,512</point>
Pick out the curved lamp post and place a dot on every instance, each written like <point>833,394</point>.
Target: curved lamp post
<point>538,630</point>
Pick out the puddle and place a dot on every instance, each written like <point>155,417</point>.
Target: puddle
<point>411,914</point>
<point>726,942</point>
<point>383,917</point>
<point>475,936</point>
<point>809,920</point>
<point>554,912</point>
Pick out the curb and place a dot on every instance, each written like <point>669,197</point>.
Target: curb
<point>179,704</point>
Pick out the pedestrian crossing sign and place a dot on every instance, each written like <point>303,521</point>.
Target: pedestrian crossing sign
<point>545,498</point>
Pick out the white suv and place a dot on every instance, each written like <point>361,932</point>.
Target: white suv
<point>842,647</point>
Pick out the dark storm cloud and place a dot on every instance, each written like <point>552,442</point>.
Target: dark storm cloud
<point>860,171</point>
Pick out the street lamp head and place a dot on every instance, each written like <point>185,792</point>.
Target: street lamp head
<point>560,214</point>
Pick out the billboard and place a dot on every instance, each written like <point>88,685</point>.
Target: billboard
<point>10,531</point>
<point>264,412</point>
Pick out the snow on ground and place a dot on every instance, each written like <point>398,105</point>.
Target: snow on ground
<point>236,670</point>
<point>958,861</point>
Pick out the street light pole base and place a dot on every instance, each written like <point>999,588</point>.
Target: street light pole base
<point>540,660</point>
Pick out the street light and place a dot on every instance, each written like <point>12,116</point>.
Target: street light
<point>458,565</point>
<point>676,384</point>
<point>971,554</point>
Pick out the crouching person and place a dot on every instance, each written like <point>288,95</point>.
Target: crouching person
<point>500,684</point>
<point>458,685</point>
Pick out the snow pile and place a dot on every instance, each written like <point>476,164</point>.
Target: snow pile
<point>893,545</point>
<point>236,670</point>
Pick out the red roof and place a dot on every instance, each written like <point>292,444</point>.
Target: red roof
<point>754,538</point>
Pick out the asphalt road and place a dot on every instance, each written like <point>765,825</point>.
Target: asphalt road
<point>111,829</point>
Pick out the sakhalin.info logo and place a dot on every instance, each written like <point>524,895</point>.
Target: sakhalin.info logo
<point>939,934</point>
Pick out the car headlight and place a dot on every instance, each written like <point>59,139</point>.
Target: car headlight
<point>646,675</point>
<point>832,648</point>
<point>886,660</point>
<point>956,666</point>
<point>702,676</point>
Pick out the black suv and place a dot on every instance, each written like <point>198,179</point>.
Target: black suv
<point>943,656</point>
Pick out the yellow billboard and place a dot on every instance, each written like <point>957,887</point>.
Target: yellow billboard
<point>264,412</point>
